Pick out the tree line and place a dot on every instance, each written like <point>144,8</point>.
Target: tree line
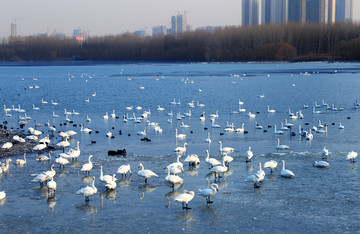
<point>286,42</point>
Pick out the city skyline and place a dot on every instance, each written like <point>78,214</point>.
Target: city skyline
<point>113,17</point>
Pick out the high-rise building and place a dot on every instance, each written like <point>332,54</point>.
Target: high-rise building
<point>343,10</point>
<point>297,11</point>
<point>159,30</point>
<point>13,32</point>
<point>178,23</point>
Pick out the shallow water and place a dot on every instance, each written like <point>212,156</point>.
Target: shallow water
<point>316,200</point>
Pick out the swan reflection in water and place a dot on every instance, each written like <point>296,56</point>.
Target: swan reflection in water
<point>146,188</point>
<point>171,195</point>
<point>51,201</point>
<point>89,209</point>
<point>124,182</point>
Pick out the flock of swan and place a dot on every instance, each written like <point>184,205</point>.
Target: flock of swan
<point>217,166</point>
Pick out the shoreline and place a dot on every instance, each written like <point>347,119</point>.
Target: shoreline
<point>18,148</point>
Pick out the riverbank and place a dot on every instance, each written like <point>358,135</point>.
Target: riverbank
<point>18,147</point>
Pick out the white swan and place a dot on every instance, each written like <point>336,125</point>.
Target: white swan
<point>227,159</point>
<point>124,169</point>
<point>51,185</point>
<point>177,164</point>
<point>173,179</point>
<point>75,153</point>
<point>216,115</point>
<point>219,169</point>
<point>87,166</point>
<point>341,126</point>
<point>146,173</point>
<point>249,154</point>
<point>322,130</point>
<point>255,178</point>
<point>21,162</point>
<point>240,130</point>
<point>351,156</point>
<point>2,195</point>
<point>64,143</point>
<point>269,110</point>
<point>230,128</point>
<point>281,147</point>
<point>321,164</point>
<point>226,149</point>
<point>86,130</point>
<point>185,198</point>
<point>106,116</point>
<point>209,192</point>
<point>309,136</point>
<point>211,161</point>
<point>213,125</point>
<point>88,191</point>
<point>324,152</point>
<point>142,133</point>
<point>44,176</point>
<point>202,117</point>
<point>277,132</point>
<point>113,115</point>
<point>61,161</point>
<point>7,146</point>
<point>285,172</point>
<point>208,140</point>
<point>272,164</point>
<point>181,149</point>
<point>192,159</point>
<point>104,178</point>
<point>184,125</point>
<point>111,184</point>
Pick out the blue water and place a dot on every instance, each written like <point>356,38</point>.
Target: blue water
<point>315,200</point>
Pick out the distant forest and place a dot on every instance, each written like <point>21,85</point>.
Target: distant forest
<point>288,42</point>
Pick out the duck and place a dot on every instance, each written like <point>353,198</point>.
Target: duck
<point>226,149</point>
<point>272,164</point>
<point>209,192</point>
<point>185,198</point>
<point>181,149</point>
<point>21,162</point>
<point>281,147</point>
<point>285,172</point>
<point>249,154</point>
<point>351,156</point>
<point>211,161</point>
<point>173,179</point>
<point>87,166</point>
<point>88,191</point>
<point>124,169</point>
<point>321,164</point>
<point>146,173</point>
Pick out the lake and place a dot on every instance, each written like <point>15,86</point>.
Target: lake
<point>316,200</point>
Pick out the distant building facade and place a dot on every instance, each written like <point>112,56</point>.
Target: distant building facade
<point>178,24</point>
<point>159,30</point>
<point>256,12</point>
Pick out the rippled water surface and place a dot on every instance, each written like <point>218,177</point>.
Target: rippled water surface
<point>316,200</point>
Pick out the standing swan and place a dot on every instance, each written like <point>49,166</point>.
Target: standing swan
<point>209,192</point>
<point>185,197</point>
<point>173,179</point>
<point>181,149</point>
<point>249,154</point>
<point>272,164</point>
<point>124,169</point>
<point>87,166</point>
<point>88,191</point>
<point>225,149</point>
<point>146,173</point>
<point>211,161</point>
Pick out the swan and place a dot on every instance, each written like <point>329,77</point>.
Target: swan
<point>216,115</point>
<point>192,159</point>
<point>142,133</point>
<point>71,133</point>
<point>251,115</point>
<point>219,169</point>
<point>146,173</point>
<point>324,152</point>
<point>105,178</point>
<point>54,103</point>
<point>7,114</point>
<point>87,100</point>
<point>51,185</point>
<point>277,132</point>
<point>67,112</point>
<point>227,159</point>
<point>88,191</point>
<point>211,161</point>
<point>173,102</point>
<point>285,172</point>
<point>320,125</point>
<point>51,129</point>
<point>39,147</point>
<point>209,192</point>
<point>7,146</point>
<point>160,108</point>
<point>129,108</point>
<point>272,164</point>
<point>94,94</point>
<point>88,119</point>
<point>177,163</point>
<point>21,162</point>
<point>124,169</point>
<point>63,144</point>
<point>341,126</point>
<point>87,166</point>
<point>257,126</point>
<point>75,153</point>
<point>2,195</point>
<point>111,184</point>
<point>181,149</point>
<point>191,104</point>
<point>322,130</point>
<point>213,125</point>
<point>225,149</point>
<point>184,125</point>
<point>41,158</point>
<point>351,156</point>
<point>173,179</point>
<point>5,168</point>
<point>309,136</point>
<point>208,140</point>
<point>43,102</point>
<point>288,125</point>
<point>257,177</point>
<point>54,115</point>
<point>46,175</point>
<point>283,128</point>
<point>240,130</point>
<point>261,95</point>
<point>230,128</point>
<point>106,116</point>
<point>269,110</point>
<point>198,104</point>
<point>86,130</point>
<point>188,114</point>
<point>35,108</point>
<point>316,111</point>
<point>113,115</point>
<point>185,198</point>
<point>249,154</point>
<point>61,161</point>
<point>321,164</point>
<point>35,132</point>
<point>282,147</point>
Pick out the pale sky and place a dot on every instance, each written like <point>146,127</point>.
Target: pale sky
<point>104,17</point>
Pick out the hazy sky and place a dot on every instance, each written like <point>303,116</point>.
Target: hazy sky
<point>115,16</point>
